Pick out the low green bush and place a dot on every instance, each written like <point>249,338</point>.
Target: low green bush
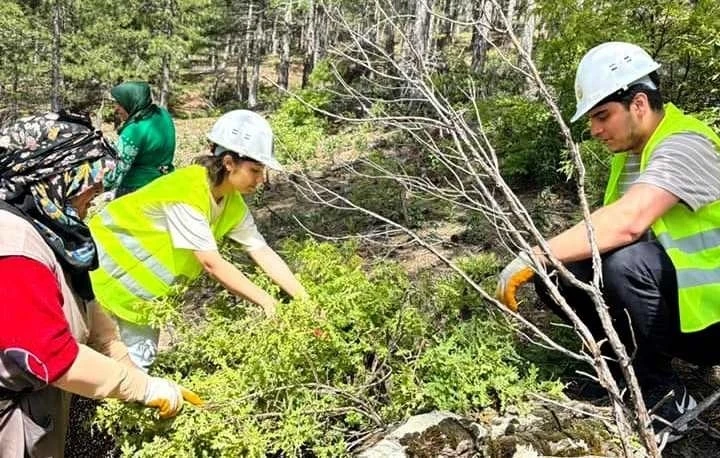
<point>298,128</point>
<point>370,347</point>
<point>526,138</point>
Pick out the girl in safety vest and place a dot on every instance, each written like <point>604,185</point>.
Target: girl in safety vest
<point>168,230</point>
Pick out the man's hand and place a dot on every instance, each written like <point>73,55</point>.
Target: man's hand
<point>168,396</point>
<point>514,275</point>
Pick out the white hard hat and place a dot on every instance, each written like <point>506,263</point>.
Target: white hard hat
<point>246,133</point>
<point>608,68</point>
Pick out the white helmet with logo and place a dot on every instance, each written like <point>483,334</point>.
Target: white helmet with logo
<point>246,133</point>
<point>608,68</point>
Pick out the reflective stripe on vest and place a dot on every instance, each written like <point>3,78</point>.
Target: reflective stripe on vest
<point>131,245</point>
<point>137,261</point>
<point>690,238</point>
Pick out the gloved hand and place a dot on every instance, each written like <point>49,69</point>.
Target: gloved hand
<point>168,396</point>
<point>514,275</point>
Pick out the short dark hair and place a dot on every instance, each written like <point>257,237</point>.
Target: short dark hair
<point>214,164</point>
<point>625,97</point>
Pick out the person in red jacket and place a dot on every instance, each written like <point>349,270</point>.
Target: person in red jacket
<point>54,339</point>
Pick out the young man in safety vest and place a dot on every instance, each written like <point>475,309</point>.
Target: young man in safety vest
<point>658,231</point>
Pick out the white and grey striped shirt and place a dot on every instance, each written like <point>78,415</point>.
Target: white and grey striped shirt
<point>686,164</point>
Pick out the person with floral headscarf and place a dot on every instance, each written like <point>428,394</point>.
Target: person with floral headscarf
<point>146,143</point>
<point>54,339</point>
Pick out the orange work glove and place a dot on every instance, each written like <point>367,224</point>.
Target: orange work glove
<point>168,396</point>
<point>513,276</point>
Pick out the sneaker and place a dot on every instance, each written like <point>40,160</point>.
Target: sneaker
<point>669,404</point>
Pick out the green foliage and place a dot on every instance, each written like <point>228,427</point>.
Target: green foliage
<point>370,347</point>
<point>299,130</point>
<point>526,138</point>
<point>18,35</point>
<point>681,35</point>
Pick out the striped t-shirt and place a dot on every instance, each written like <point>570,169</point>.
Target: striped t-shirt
<point>686,164</point>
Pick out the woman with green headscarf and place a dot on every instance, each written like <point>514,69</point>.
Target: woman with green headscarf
<point>146,143</point>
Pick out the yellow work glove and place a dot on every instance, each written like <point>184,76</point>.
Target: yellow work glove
<point>513,276</point>
<point>168,396</point>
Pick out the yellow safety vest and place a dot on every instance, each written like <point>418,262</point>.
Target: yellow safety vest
<point>691,239</point>
<point>137,259</point>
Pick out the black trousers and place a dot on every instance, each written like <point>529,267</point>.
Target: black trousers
<point>640,289</point>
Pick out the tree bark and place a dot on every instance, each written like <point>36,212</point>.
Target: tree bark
<point>431,42</point>
<point>256,56</point>
<point>388,36</point>
<point>165,81</point>
<point>220,66</point>
<point>275,42</point>
<point>447,30</point>
<point>421,29</point>
<point>284,64</point>
<point>408,30</point>
<point>510,10</point>
<point>527,41</point>
<point>241,77</point>
<point>57,79</point>
<point>310,32</point>
<point>321,33</point>
<point>168,30</point>
<point>482,17</point>
<point>528,33</point>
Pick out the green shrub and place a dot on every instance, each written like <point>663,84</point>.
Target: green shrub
<point>298,129</point>
<point>526,138</point>
<point>366,350</point>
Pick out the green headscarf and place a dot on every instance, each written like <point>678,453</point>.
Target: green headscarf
<point>135,98</point>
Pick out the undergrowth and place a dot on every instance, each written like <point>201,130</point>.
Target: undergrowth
<point>368,348</point>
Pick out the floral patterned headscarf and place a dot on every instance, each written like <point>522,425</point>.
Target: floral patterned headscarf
<point>45,161</point>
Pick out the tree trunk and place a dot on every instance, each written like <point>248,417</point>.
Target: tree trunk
<point>57,81</point>
<point>168,30</point>
<point>241,86</point>
<point>431,42</point>
<point>447,29</point>
<point>220,66</point>
<point>256,57</point>
<point>421,29</point>
<point>527,41</point>
<point>388,36</point>
<point>275,43</point>
<point>284,64</point>
<point>408,31</point>
<point>321,33</point>
<point>510,12</point>
<point>482,17</point>
<point>165,81</point>
<point>528,33</point>
<point>379,24</point>
<point>240,70</point>
<point>310,32</point>
<point>15,105</point>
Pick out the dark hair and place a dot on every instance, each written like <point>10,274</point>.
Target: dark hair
<point>214,164</point>
<point>625,97</point>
